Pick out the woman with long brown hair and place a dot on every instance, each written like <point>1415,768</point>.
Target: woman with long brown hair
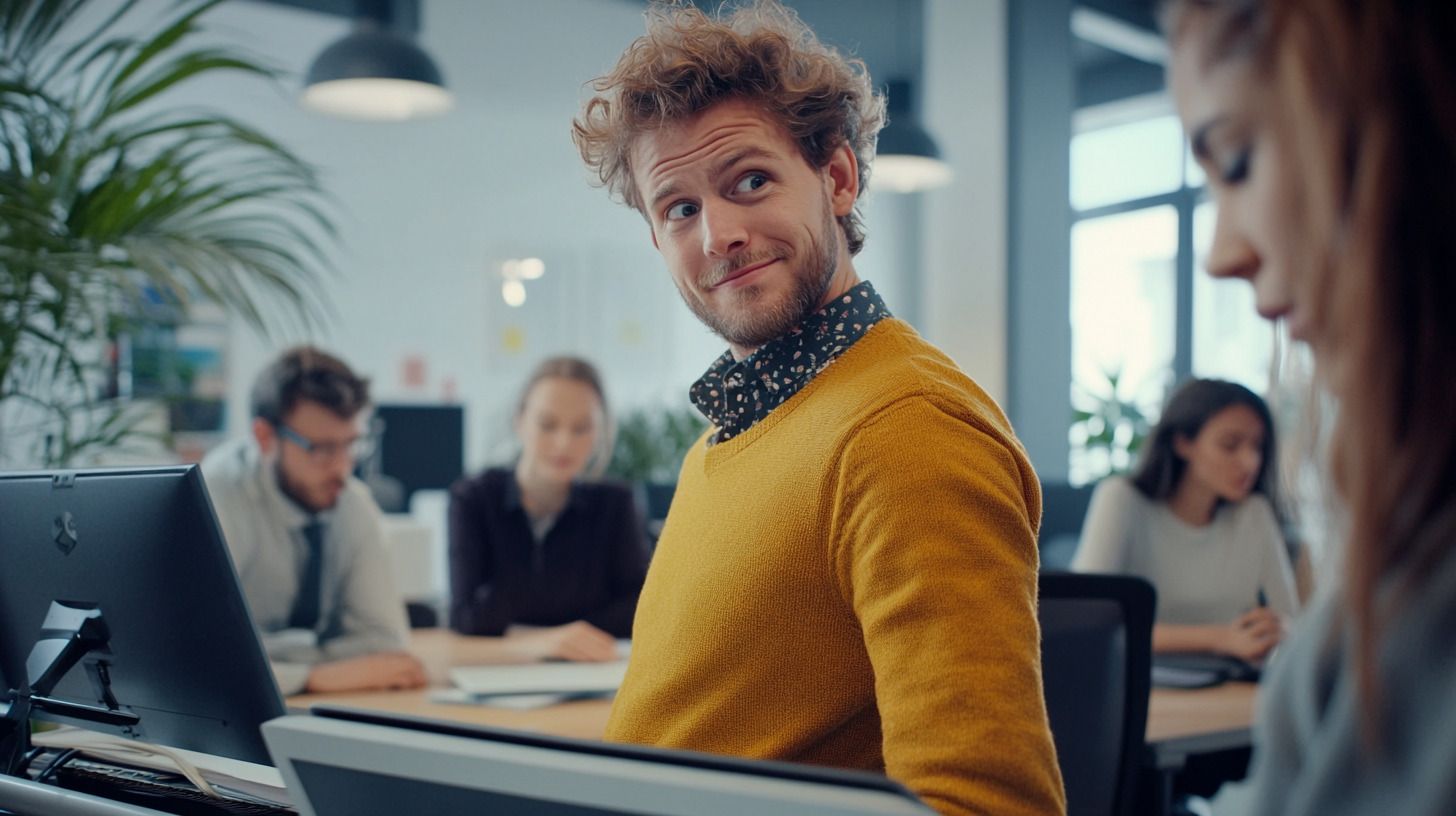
<point>1328,132</point>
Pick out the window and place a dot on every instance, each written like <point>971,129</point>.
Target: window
<point>1230,340</point>
<point>1144,316</point>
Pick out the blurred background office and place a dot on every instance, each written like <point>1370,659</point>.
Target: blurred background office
<point>1054,254</point>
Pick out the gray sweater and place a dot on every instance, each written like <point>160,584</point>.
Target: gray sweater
<point>1309,758</point>
<point>1204,575</point>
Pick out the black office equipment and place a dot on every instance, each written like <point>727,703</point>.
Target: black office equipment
<point>1096,647</point>
<point>345,762</point>
<point>120,611</point>
<point>1063,509</point>
<point>1200,669</point>
<point>419,447</point>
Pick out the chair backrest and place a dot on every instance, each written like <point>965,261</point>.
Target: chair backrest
<point>1096,648</point>
<point>1063,508</point>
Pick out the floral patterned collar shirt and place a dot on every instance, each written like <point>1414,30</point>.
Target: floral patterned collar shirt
<point>735,394</point>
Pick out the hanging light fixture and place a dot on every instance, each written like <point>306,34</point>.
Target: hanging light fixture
<point>907,159</point>
<point>375,73</point>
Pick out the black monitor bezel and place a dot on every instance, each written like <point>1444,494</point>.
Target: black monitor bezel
<point>256,697</point>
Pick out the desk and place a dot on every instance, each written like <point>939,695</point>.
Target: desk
<point>440,650</point>
<point>1198,721</point>
<point>1186,722</point>
<point>1180,722</point>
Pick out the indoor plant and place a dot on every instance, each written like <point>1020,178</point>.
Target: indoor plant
<point>112,200</point>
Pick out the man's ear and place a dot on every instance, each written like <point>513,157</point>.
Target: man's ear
<point>843,174</point>
<point>265,435</point>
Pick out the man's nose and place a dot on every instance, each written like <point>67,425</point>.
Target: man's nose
<point>725,233</point>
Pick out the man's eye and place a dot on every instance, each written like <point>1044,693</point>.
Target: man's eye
<point>751,182</point>
<point>681,210</point>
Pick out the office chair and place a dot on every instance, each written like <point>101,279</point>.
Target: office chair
<point>1096,652</point>
<point>1063,508</point>
<point>421,615</point>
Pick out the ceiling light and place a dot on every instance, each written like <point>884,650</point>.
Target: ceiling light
<point>907,159</point>
<point>375,73</point>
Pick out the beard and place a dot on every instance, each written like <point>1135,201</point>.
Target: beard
<point>299,493</point>
<point>752,320</point>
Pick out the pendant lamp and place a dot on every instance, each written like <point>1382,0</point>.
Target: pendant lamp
<point>375,73</point>
<point>907,159</point>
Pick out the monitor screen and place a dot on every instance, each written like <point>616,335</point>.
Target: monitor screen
<point>420,447</point>
<point>359,763</point>
<point>143,547</point>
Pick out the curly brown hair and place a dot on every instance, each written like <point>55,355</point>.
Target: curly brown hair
<point>762,52</point>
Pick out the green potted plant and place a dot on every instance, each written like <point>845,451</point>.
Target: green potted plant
<point>649,450</point>
<point>1108,428</point>
<point>112,201</point>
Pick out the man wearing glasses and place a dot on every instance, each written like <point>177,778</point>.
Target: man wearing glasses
<point>305,535</point>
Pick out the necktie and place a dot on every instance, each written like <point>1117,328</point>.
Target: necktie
<point>310,585</point>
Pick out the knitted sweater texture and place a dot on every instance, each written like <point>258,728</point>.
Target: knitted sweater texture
<point>852,582</point>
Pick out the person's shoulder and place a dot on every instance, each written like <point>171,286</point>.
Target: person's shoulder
<point>1255,510</point>
<point>490,481</point>
<point>229,467</point>
<point>893,366</point>
<point>1121,489</point>
<point>606,491</point>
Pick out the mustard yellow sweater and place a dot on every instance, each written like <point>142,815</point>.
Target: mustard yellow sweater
<point>852,582</point>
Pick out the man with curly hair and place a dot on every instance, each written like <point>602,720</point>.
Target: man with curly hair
<point>847,576</point>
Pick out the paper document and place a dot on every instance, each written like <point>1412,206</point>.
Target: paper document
<point>541,678</point>
<point>515,702</point>
<point>252,780</point>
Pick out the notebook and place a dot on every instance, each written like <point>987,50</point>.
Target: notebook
<point>540,678</point>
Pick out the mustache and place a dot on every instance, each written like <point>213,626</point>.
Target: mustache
<point>731,266</point>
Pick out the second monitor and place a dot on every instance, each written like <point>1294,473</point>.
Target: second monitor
<point>140,551</point>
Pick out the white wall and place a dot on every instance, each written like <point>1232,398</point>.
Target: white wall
<point>429,208</point>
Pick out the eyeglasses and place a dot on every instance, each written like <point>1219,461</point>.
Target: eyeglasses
<point>358,448</point>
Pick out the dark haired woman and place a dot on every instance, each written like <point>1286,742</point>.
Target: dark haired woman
<point>1197,520</point>
<point>539,554</point>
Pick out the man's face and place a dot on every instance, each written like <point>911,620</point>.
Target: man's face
<point>312,472</point>
<point>746,225</point>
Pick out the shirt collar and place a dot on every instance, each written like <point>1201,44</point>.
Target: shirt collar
<point>513,493</point>
<point>736,394</point>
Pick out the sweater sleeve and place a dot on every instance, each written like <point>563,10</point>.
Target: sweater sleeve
<point>476,608</point>
<point>934,548</point>
<point>1107,531</point>
<point>627,569</point>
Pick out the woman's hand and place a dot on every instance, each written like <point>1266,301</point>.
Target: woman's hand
<point>1252,635</point>
<point>578,641</point>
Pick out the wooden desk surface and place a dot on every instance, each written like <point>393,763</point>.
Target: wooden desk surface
<point>1179,721</point>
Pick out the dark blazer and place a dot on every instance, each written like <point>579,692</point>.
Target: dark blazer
<point>590,566</point>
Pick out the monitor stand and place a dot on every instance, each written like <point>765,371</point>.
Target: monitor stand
<point>70,632</point>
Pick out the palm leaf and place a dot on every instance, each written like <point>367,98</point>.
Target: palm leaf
<point>109,196</point>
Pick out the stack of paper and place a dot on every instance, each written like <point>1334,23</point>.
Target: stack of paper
<point>215,775</point>
<point>541,678</point>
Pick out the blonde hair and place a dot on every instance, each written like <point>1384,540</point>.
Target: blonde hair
<point>761,53</point>
<point>577,370</point>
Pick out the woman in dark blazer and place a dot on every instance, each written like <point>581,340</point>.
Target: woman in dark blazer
<point>538,554</point>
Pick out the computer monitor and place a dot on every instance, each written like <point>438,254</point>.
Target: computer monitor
<point>420,447</point>
<point>142,548</point>
<point>345,762</point>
